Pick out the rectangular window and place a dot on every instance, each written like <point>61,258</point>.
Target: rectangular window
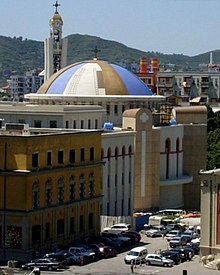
<point>82,154</point>
<point>107,109</point>
<point>108,208</point>
<point>89,124</point>
<point>72,155</point>
<point>123,108</point>
<point>22,121</point>
<point>82,124</point>
<point>91,220</point>
<point>92,153</point>
<point>72,225</point>
<point>60,227</point>
<point>116,109</point>
<point>53,124</point>
<point>96,124</point>
<point>35,160</point>
<point>67,124</point>
<point>61,157</point>
<point>47,230</point>
<point>115,208</point>
<point>49,158</point>
<point>81,223</point>
<point>74,124</point>
<point>36,233</point>
<point>37,123</point>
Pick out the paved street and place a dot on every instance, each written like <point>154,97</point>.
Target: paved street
<point>117,266</point>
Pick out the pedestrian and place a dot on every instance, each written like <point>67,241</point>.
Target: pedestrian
<point>132,266</point>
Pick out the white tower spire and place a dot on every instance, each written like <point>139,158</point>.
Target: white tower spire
<point>55,47</point>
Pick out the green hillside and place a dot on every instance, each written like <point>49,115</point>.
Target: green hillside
<point>18,55</point>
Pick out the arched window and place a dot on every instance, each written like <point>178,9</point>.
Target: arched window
<point>48,192</point>
<point>116,152</point>
<point>72,188</point>
<point>177,156</point>
<point>36,194</point>
<point>130,151</point>
<point>109,153</point>
<point>91,185</point>
<point>167,151</point>
<point>123,152</point>
<point>60,189</point>
<point>82,186</point>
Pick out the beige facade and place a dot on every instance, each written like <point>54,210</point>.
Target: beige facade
<point>147,158</point>
<point>210,213</point>
<point>194,120</point>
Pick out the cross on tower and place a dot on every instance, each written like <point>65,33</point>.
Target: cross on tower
<point>56,5</point>
<point>96,51</point>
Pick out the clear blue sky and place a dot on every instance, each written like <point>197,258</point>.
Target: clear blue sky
<point>189,27</point>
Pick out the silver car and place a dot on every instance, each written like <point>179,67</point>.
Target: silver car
<point>157,259</point>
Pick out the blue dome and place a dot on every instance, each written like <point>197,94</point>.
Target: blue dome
<point>95,78</point>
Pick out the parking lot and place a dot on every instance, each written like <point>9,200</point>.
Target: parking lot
<point>116,265</point>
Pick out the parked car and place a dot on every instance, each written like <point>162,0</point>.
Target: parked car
<point>157,259</point>
<point>116,243</point>
<point>88,255</point>
<point>134,236</point>
<point>76,259</point>
<point>43,264</point>
<point>185,255</point>
<point>136,254</point>
<point>103,251</point>
<point>188,235</point>
<point>174,226</point>
<point>156,231</point>
<point>172,255</point>
<point>173,233</point>
<point>119,226</point>
<point>195,247</point>
<point>59,256</point>
<point>178,241</point>
<point>196,241</point>
<point>116,235</point>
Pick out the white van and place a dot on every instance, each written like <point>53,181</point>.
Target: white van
<point>137,255</point>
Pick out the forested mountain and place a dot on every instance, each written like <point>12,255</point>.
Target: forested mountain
<point>18,55</point>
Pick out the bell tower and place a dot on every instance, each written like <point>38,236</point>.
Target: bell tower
<point>55,47</point>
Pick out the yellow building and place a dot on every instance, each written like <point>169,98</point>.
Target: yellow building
<point>50,188</point>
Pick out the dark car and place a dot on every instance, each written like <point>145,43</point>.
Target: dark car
<point>88,255</point>
<point>116,235</point>
<point>195,247</point>
<point>43,264</point>
<point>59,256</point>
<point>103,251</point>
<point>117,244</point>
<point>132,235</point>
<point>76,259</point>
<point>185,255</point>
<point>173,255</point>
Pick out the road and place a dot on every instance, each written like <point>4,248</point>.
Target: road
<point>116,265</point>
